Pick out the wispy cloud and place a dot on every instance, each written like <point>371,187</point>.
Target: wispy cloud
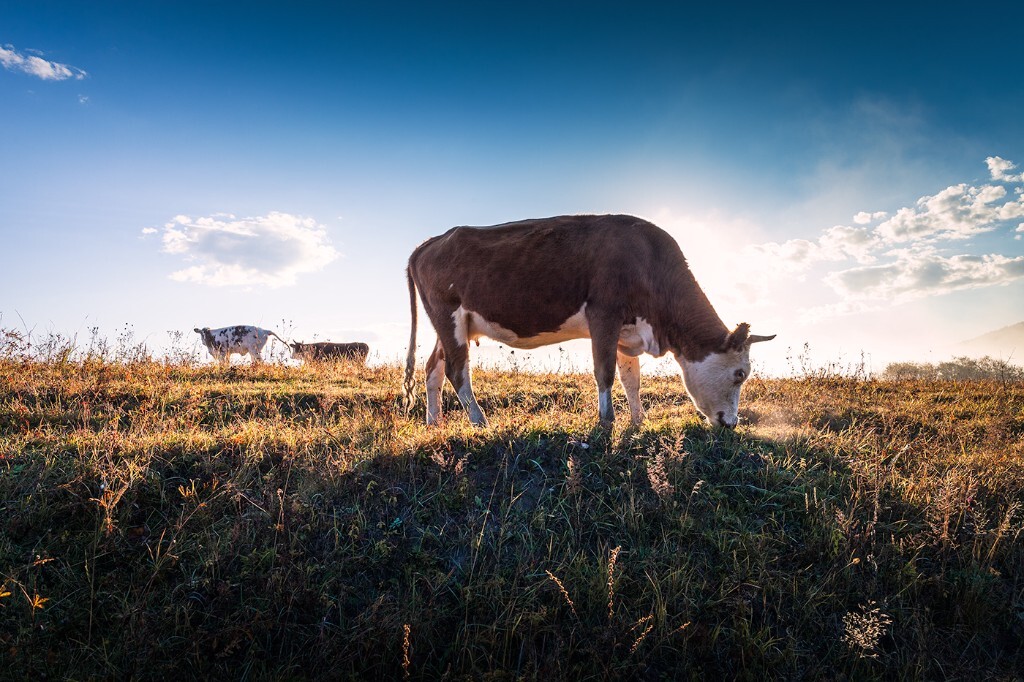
<point>916,252</point>
<point>838,243</point>
<point>916,274</point>
<point>35,65</point>
<point>269,250</point>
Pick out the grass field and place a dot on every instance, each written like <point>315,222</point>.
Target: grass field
<point>273,522</point>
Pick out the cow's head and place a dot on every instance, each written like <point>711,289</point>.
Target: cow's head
<point>297,349</point>
<point>205,334</point>
<point>714,383</point>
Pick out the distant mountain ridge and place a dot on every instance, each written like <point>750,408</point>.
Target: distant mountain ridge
<point>1004,343</point>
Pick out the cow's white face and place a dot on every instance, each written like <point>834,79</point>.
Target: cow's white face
<point>714,384</point>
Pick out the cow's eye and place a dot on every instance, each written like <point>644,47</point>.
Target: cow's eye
<point>740,375</point>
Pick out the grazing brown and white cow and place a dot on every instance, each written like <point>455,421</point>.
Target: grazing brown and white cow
<point>323,350</point>
<point>616,279</point>
<point>240,338</point>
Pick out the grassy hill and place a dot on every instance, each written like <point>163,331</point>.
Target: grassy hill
<point>274,522</point>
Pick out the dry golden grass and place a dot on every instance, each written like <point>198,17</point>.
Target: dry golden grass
<point>277,522</point>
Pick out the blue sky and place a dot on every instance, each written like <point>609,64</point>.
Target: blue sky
<point>847,176</point>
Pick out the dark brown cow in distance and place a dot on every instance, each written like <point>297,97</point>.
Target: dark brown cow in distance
<point>616,279</point>
<point>324,350</point>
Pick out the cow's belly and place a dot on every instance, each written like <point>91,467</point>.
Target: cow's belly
<point>470,325</point>
<point>634,339</point>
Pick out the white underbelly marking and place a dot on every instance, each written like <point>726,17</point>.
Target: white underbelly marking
<point>634,339</point>
<point>470,325</point>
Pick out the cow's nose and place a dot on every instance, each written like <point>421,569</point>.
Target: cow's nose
<point>723,422</point>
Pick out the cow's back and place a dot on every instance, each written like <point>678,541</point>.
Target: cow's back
<point>530,276</point>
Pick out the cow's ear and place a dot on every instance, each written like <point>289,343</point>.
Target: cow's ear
<point>197,330</point>
<point>737,338</point>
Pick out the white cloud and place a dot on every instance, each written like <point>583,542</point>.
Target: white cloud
<point>957,212</point>
<point>841,309</point>
<point>837,243</point>
<point>149,230</point>
<point>269,250</point>
<point>792,256</point>
<point>916,274</point>
<point>863,218</point>
<point>853,242</point>
<point>999,166</point>
<point>906,255</point>
<point>36,66</point>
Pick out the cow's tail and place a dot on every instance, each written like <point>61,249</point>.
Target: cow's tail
<point>409,386</point>
<point>288,345</point>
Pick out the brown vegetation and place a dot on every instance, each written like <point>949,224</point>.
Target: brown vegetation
<point>274,522</point>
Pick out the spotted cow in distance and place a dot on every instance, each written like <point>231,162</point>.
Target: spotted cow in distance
<point>241,338</point>
<point>620,281</point>
<point>324,350</point>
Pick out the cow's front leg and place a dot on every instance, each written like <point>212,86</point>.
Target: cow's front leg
<point>604,334</point>
<point>629,375</point>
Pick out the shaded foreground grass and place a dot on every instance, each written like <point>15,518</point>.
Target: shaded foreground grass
<point>292,522</point>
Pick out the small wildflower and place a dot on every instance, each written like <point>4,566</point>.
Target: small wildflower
<point>565,593</point>
<point>612,560</point>
<point>406,662</point>
<point>679,629</point>
<point>862,631</point>
<point>658,477</point>
<point>649,621</point>
<point>573,481</point>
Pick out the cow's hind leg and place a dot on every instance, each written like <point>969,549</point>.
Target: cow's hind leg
<point>435,380</point>
<point>629,375</point>
<point>456,368</point>
<point>451,328</point>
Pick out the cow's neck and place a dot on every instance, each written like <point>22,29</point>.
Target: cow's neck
<point>691,328</point>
